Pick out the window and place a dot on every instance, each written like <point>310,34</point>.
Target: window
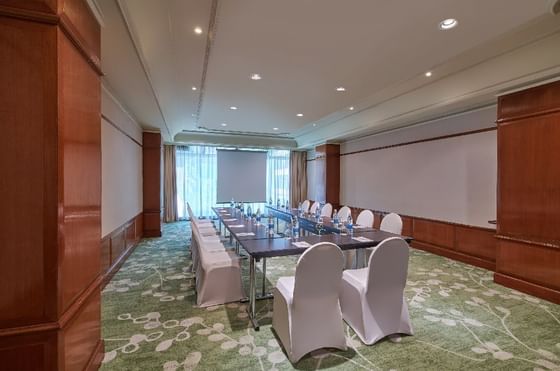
<point>197,179</point>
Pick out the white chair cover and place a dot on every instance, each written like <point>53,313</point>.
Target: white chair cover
<point>391,223</point>
<point>327,210</point>
<point>313,207</point>
<point>306,314</point>
<point>372,299</point>
<point>343,213</point>
<point>305,206</point>
<point>218,277</point>
<point>365,218</point>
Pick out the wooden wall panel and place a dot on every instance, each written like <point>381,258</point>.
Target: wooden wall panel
<point>528,257</point>
<point>436,233</point>
<point>476,242</point>
<point>80,146</point>
<point>79,15</point>
<point>328,157</point>
<point>151,166</point>
<point>118,245</point>
<point>105,253</point>
<point>40,6</point>
<point>28,185</point>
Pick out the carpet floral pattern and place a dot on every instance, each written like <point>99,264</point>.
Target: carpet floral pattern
<point>461,319</point>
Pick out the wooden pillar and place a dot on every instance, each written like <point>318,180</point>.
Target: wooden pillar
<point>528,225</point>
<point>50,184</point>
<point>328,170</point>
<point>152,179</point>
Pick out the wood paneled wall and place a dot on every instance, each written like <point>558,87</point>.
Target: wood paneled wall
<point>152,173</point>
<point>50,156</point>
<point>528,224</point>
<point>118,245</point>
<point>328,163</point>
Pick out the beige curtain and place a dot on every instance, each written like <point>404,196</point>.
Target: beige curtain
<point>298,177</point>
<point>169,183</point>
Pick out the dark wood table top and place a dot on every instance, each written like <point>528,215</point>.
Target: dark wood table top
<point>265,248</point>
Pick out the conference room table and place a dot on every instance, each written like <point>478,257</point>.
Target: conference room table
<point>275,247</point>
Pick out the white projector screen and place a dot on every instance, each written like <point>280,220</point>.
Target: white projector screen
<point>241,176</point>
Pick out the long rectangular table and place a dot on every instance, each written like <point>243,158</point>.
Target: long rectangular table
<point>266,248</point>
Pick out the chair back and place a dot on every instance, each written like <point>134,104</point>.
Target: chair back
<point>391,223</point>
<point>343,213</point>
<point>305,206</point>
<point>318,276</point>
<point>313,207</point>
<point>327,210</point>
<point>388,269</point>
<point>365,218</point>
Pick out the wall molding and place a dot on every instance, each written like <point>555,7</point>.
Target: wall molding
<point>441,137</point>
<point>109,121</point>
<point>128,234</point>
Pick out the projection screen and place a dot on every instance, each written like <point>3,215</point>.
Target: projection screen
<point>241,176</point>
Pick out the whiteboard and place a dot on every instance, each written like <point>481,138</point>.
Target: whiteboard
<point>241,176</point>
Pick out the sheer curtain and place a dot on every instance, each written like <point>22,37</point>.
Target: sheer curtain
<point>196,180</point>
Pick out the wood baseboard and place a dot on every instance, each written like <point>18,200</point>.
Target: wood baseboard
<point>96,358</point>
<point>528,287</point>
<point>469,259</point>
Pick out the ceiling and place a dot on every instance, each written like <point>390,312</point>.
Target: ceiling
<point>303,49</point>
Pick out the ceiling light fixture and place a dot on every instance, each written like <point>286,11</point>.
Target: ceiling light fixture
<point>197,30</point>
<point>193,88</point>
<point>274,128</point>
<point>233,108</point>
<point>448,24</point>
<point>223,124</point>
<point>256,76</point>
<point>428,74</point>
<point>351,108</point>
<point>299,115</point>
<point>314,125</point>
<point>341,88</point>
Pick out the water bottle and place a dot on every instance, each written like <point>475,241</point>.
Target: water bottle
<point>318,211</point>
<point>287,204</point>
<point>299,209</point>
<point>241,209</point>
<point>295,228</point>
<point>270,201</point>
<point>349,226</point>
<point>335,217</point>
<point>258,216</point>
<point>232,203</point>
<point>270,226</point>
<point>249,212</point>
<point>278,203</point>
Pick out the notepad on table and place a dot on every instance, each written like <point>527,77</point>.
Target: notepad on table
<point>361,239</point>
<point>237,226</point>
<point>357,226</point>
<point>230,220</point>
<point>301,244</point>
<point>244,234</point>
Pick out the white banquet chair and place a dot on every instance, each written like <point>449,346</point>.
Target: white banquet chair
<point>343,214</point>
<point>372,299</point>
<point>313,207</point>
<point>305,206</point>
<point>365,218</point>
<point>327,210</point>
<point>391,223</point>
<point>306,310</point>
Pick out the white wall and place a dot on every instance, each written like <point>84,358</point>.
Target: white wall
<point>450,179</point>
<point>121,166</point>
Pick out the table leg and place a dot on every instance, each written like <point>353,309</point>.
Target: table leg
<point>252,294</point>
<point>359,258</point>
<point>264,277</point>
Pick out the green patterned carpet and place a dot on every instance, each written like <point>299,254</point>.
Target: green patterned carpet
<point>462,320</point>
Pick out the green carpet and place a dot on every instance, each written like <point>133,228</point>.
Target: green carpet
<point>461,320</point>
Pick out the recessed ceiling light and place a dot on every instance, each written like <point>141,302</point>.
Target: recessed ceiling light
<point>351,108</point>
<point>428,74</point>
<point>233,108</point>
<point>256,76</point>
<point>193,88</point>
<point>341,88</point>
<point>448,24</point>
<point>197,30</point>
<point>314,125</point>
<point>274,128</point>
<point>299,115</point>
<point>223,124</point>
